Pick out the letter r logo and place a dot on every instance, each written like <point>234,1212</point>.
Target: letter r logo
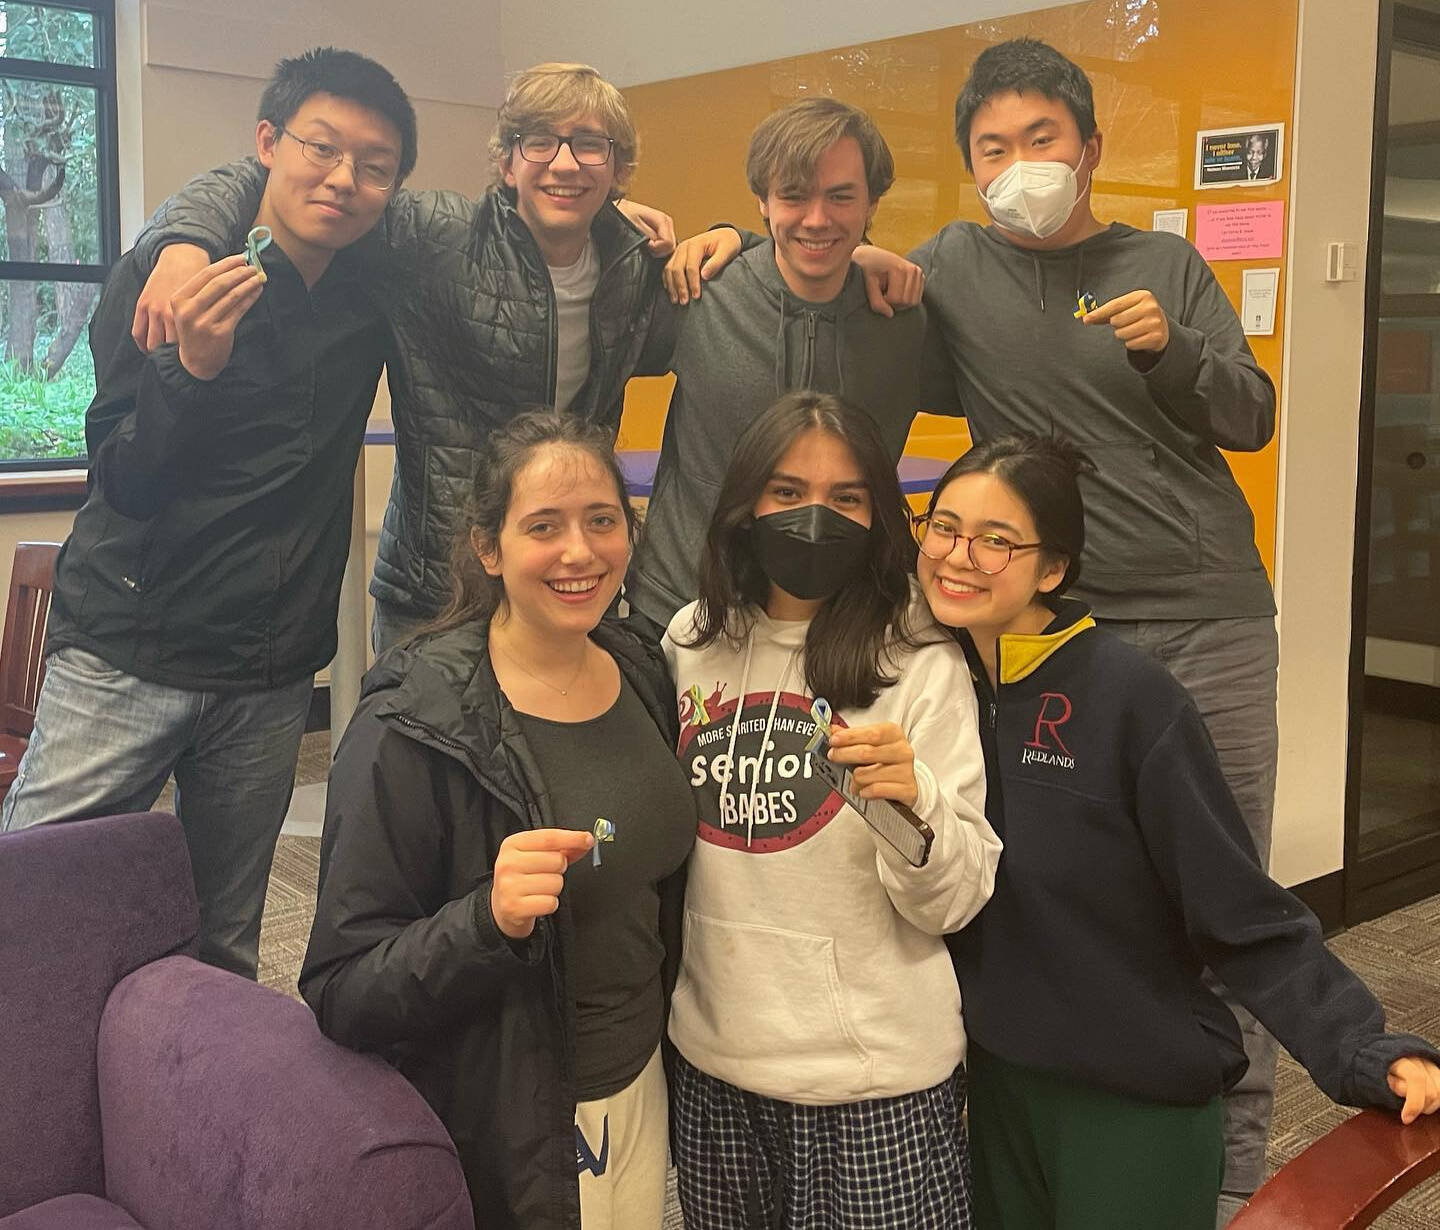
<point>1055,711</point>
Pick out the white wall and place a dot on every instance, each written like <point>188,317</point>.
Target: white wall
<point>634,41</point>
<point>204,63</point>
<point>1319,440</point>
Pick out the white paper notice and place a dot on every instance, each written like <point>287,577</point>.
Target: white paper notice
<point>1172,220</point>
<point>1259,290</point>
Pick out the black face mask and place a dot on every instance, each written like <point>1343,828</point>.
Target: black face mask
<point>809,552</point>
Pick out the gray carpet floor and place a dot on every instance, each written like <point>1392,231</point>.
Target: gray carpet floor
<point>1398,956</point>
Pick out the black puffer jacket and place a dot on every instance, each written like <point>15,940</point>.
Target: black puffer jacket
<point>474,316</point>
<point>405,957</point>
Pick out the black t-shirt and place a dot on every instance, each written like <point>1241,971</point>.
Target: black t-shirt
<point>616,767</point>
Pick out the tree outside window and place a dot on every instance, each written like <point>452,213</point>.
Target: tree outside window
<point>60,234</point>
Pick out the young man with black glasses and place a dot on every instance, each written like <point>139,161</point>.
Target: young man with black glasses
<point>540,293</point>
<point>196,596</point>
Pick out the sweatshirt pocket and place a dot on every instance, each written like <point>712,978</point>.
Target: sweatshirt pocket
<point>1137,519</point>
<point>764,1008</point>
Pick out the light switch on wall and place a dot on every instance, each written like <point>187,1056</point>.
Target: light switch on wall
<point>1342,262</point>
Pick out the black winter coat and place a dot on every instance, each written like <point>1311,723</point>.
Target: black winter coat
<point>473,311</point>
<point>209,552</point>
<point>406,959</point>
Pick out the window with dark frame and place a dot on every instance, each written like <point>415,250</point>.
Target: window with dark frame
<point>59,195</point>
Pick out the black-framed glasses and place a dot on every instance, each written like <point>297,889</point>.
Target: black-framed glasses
<point>377,175</point>
<point>988,553</point>
<point>589,149</point>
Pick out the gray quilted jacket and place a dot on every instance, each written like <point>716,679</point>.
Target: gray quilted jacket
<point>473,311</point>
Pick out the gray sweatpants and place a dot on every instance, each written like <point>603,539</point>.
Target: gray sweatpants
<point>1229,668</point>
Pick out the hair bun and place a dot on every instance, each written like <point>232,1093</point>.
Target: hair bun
<point>1071,453</point>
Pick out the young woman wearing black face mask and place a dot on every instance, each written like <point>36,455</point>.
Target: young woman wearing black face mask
<point>817,1014</point>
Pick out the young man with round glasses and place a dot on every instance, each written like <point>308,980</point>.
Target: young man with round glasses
<point>196,596</point>
<point>370,171</point>
<point>540,293</point>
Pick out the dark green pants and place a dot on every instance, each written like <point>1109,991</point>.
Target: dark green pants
<point>1051,1154</point>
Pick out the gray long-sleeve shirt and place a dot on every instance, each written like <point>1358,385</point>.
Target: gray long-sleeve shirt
<point>746,341</point>
<point>1169,534</point>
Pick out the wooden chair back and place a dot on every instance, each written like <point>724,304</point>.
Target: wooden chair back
<point>22,651</point>
<point>1348,1177</point>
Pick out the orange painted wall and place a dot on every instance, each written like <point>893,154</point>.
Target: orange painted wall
<point>1162,69</point>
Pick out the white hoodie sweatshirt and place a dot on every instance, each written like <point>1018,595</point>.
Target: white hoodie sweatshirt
<point>814,970</point>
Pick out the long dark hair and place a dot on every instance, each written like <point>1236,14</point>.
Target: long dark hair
<point>1044,473</point>
<point>475,594</point>
<point>846,643</point>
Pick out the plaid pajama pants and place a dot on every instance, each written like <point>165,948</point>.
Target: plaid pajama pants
<point>748,1162</point>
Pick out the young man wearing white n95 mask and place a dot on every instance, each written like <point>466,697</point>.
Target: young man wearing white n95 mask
<point>1123,341</point>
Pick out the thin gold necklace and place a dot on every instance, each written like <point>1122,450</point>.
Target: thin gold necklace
<point>565,691</point>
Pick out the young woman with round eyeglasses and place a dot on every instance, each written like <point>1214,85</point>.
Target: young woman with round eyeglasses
<point>1097,1053</point>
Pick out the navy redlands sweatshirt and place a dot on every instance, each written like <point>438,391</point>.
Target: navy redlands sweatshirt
<point>1127,868</point>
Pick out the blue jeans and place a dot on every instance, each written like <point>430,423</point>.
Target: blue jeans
<point>105,742</point>
<point>1229,668</point>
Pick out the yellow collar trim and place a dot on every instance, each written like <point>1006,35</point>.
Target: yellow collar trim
<point>1022,655</point>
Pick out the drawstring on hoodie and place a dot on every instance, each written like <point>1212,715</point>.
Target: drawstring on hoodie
<point>779,357</point>
<point>735,728</point>
<point>760,755</point>
<point>1040,275</point>
<point>807,374</point>
<point>764,738</point>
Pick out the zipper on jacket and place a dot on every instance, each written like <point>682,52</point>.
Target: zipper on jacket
<point>995,691</point>
<point>808,370</point>
<point>552,336</point>
<point>594,332</point>
<point>444,740</point>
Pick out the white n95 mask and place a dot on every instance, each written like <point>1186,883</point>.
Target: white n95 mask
<point>1033,198</point>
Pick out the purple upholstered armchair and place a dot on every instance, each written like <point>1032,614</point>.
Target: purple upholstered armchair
<point>141,1089</point>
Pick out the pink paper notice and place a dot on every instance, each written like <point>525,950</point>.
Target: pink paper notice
<point>1246,231</point>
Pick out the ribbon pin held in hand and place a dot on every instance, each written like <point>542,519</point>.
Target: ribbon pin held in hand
<point>1084,302</point>
<point>256,242</point>
<point>604,831</point>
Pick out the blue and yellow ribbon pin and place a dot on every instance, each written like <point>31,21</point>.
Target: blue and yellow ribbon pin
<point>604,831</point>
<point>256,242</point>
